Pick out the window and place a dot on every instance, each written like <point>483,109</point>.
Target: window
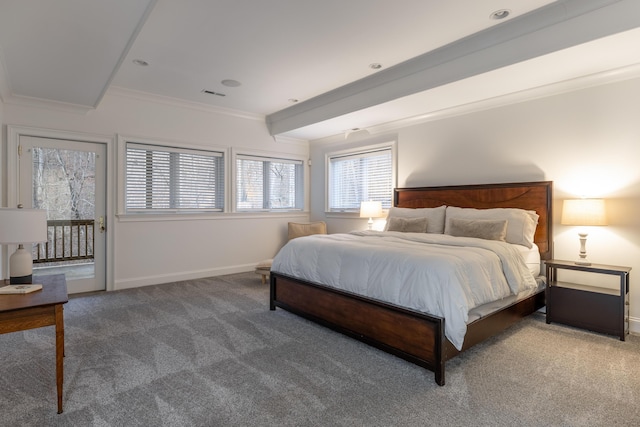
<point>359,176</point>
<point>266,183</point>
<point>165,178</point>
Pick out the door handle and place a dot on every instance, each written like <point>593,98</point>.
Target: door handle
<point>101,226</point>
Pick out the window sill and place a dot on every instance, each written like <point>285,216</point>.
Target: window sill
<point>208,216</point>
<point>351,214</point>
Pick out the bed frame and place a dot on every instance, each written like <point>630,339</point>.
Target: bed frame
<point>409,334</point>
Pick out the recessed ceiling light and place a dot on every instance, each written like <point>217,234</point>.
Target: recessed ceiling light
<point>293,100</point>
<point>231,83</point>
<point>500,14</point>
<point>140,62</point>
<point>375,66</point>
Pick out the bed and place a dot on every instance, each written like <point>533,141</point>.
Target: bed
<point>411,334</point>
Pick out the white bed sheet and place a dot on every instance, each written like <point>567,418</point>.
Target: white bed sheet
<point>433,273</point>
<point>531,257</point>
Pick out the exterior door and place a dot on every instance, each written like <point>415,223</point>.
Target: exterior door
<point>68,180</point>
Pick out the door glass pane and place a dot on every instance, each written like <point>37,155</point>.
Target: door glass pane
<point>64,185</point>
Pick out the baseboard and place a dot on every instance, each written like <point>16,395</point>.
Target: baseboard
<point>634,325</point>
<point>180,276</point>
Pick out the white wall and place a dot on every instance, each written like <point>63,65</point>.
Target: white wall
<point>3,154</point>
<point>3,202</point>
<point>587,142</point>
<point>149,251</point>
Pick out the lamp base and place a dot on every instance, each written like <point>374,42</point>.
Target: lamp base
<point>20,267</point>
<point>21,280</point>
<point>582,263</point>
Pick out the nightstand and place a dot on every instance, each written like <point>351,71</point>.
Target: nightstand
<point>594,308</point>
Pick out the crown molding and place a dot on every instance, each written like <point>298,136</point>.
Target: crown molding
<point>175,102</point>
<point>26,101</point>
<point>281,139</point>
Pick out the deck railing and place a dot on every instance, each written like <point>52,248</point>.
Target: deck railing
<point>68,240</point>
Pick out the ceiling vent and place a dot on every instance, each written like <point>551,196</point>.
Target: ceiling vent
<point>210,92</point>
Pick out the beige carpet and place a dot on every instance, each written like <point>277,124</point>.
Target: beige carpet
<point>210,353</point>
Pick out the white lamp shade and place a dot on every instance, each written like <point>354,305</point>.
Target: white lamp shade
<point>370,209</point>
<point>19,226</point>
<point>584,212</point>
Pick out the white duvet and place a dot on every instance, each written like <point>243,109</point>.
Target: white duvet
<point>433,273</point>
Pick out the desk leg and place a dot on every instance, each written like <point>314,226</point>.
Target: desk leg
<point>59,353</point>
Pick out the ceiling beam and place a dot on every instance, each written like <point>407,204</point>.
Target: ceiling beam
<point>559,25</point>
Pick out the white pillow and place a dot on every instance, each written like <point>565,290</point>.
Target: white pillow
<point>435,217</point>
<point>521,224</point>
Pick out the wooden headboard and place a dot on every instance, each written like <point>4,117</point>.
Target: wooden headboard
<point>536,196</point>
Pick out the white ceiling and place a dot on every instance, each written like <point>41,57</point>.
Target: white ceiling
<point>435,55</point>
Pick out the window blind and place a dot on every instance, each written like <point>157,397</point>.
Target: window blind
<point>360,176</point>
<point>165,178</point>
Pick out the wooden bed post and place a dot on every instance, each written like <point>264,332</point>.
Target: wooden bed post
<point>439,362</point>
<point>272,292</point>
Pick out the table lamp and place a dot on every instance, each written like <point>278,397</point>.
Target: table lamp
<point>370,210</point>
<point>583,212</point>
<point>20,226</point>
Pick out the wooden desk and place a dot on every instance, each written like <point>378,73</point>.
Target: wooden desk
<point>35,310</point>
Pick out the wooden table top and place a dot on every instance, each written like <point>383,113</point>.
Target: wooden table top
<point>54,291</point>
